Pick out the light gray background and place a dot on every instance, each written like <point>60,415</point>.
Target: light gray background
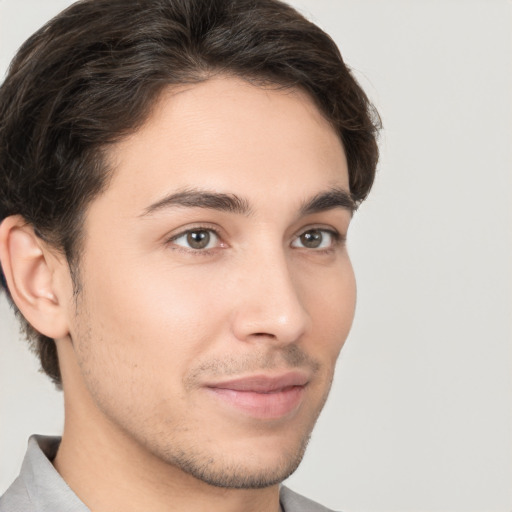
<point>419,418</point>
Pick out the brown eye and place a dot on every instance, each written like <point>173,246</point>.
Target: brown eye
<point>312,239</point>
<point>316,239</point>
<point>198,239</point>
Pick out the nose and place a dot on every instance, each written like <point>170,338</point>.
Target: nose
<point>268,304</point>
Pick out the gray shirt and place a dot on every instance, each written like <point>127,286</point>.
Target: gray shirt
<point>39,488</point>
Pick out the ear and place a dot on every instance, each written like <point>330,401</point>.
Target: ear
<point>33,273</point>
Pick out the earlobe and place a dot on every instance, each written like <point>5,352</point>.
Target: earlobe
<point>29,270</point>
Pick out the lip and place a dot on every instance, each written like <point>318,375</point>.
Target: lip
<point>262,396</point>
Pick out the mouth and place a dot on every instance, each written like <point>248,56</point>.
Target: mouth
<point>262,396</point>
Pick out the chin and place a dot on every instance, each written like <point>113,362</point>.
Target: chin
<point>252,471</point>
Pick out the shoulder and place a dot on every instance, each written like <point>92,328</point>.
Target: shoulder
<point>293,502</point>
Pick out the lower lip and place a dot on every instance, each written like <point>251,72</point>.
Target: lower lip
<point>273,405</point>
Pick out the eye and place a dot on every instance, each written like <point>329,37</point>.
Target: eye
<point>316,239</point>
<point>197,239</point>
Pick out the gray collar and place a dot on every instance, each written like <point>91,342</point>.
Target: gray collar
<point>39,487</point>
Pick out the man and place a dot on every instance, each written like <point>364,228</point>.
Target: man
<point>178,179</point>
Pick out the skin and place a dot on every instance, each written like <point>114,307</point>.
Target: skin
<point>156,321</point>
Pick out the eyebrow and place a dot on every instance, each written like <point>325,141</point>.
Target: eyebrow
<point>335,197</point>
<point>198,198</point>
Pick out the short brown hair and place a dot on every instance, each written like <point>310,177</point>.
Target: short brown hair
<point>91,74</point>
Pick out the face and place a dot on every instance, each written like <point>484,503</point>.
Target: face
<point>217,290</point>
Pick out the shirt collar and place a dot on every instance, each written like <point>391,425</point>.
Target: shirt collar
<point>46,488</point>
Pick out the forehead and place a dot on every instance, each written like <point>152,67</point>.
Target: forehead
<point>231,136</point>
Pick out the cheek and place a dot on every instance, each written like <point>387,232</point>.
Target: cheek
<point>137,338</point>
<point>331,305</point>
<point>150,326</point>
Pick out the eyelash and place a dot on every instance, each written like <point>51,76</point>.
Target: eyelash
<point>337,238</point>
